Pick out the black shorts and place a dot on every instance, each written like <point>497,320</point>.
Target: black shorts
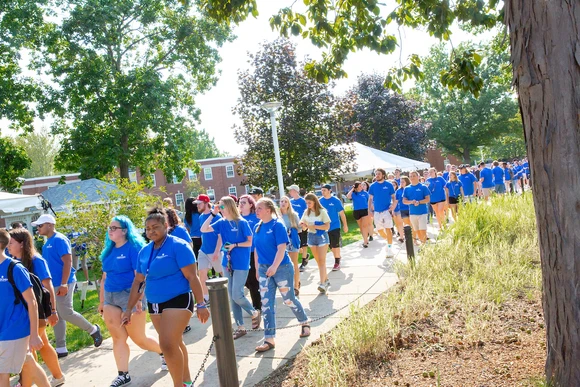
<point>440,201</point>
<point>183,301</point>
<point>303,238</point>
<point>335,238</point>
<point>360,213</point>
<point>404,214</point>
<point>453,200</point>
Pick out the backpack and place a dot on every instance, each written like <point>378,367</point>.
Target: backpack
<point>41,294</point>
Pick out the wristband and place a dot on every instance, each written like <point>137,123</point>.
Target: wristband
<point>63,284</point>
<point>201,305</point>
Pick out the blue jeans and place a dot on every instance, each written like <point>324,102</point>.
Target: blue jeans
<point>236,283</point>
<point>283,280</point>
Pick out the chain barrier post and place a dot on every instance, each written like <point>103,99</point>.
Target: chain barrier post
<point>409,245</point>
<point>222,329</point>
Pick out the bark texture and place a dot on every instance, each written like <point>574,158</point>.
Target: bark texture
<point>545,42</point>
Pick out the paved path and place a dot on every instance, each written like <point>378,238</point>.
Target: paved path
<point>363,271</point>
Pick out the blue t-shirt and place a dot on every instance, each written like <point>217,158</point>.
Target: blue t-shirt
<point>454,188</point>
<point>487,175</point>
<point>195,226</point>
<point>235,232</point>
<point>181,232</point>
<point>52,251</point>
<point>120,266</point>
<point>162,267</point>
<point>267,240</point>
<point>446,176</point>
<point>208,239</point>
<point>360,200</point>
<point>498,175</point>
<point>40,268</point>
<point>14,322</point>
<point>508,174</point>
<point>252,219</point>
<point>417,192</point>
<point>382,193</point>
<point>333,206</point>
<point>400,205</point>
<point>437,189</point>
<point>467,181</point>
<point>299,205</point>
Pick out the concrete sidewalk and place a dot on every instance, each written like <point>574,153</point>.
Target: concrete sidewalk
<point>364,272</point>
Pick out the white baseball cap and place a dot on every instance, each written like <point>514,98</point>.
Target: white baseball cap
<point>44,218</point>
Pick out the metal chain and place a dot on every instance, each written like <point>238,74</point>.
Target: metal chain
<point>202,368</point>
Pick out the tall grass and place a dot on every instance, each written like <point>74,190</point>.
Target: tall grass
<point>489,256</point>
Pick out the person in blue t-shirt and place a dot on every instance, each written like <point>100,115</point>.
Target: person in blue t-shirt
<point>206,259</point>
<point>453,192</point>
<point>402,210</point>
<point>275,271</point>
<point>446,173</point>
<point>119,258</point>
<point>381,203</point>
<point>485,180</point>
<point>176,228</point>
<point>468,181</point>
<point>58,255</point>
<point>360,205</point>
<point>416,196</point>
<point>22,248</point>
<point>235,242</point>
<point>191,221</point>
<point>498,178</point>
<point>247,208</point>
<point>335,211</point>
<point>436,186</point>
<point>299,206</point>
<point>18,323</point>
<point>166,269</point>
<point>292,222</point>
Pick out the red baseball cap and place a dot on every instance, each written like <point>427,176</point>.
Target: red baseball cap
<point>202,199</point>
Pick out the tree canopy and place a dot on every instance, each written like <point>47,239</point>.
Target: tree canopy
<point>41,147</point>
<point>13,162</point>
<point>313,123</point>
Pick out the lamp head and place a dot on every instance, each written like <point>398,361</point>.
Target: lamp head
<point>271,106</point>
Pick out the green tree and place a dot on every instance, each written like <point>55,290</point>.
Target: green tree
<point>41,148</point>
<point>546,76</point>
<point>312,123</point>
<point>193,188</point>
<point>13,163</point>
<point>460,121</point>
<point>127,73</point>
<point>204,146</point>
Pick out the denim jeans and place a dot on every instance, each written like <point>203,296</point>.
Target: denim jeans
<point>236,283</point>
<point>283,280</point>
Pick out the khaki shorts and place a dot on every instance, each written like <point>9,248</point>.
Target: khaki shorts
<point>486,192</point>
<point>12,355</point>
<point>383,220</point>
<point>418,222</point>
<point>204,262</point>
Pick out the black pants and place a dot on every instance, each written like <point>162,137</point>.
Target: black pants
<point>196,246</point>
<point>253,285</point>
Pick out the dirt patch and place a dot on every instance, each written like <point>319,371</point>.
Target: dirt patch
<point>423,354</point>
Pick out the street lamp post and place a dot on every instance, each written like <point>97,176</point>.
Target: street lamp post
<point>271,108</point>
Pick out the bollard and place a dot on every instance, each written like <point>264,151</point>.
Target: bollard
<point>221,321</point>
<point>409,244</point>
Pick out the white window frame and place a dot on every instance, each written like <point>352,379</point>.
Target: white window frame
<point>233,190</point>
<point>153,180</point>
<point>133,176</point>
<point>211,193</point>
<point>230,169</point>
<point>247,187</point>
<point>205,173</point>
<point>191,175</point>
<point>179,200</point>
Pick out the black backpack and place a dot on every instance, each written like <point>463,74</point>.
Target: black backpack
<point>41,294</point>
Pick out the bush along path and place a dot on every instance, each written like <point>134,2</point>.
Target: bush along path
<point>468,314</point>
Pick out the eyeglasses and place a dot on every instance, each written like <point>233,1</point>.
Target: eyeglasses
<point>115,228</point>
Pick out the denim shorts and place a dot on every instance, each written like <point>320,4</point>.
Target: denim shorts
<point>120,299</point>
<point>317,240</point>
<point>291,249</point>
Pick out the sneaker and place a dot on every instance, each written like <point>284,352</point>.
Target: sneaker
<point>371,238</point>
<point>163,363</point>
<point>187,329</point>
<point>97,337</point>
<point>304,263</point>
<point>121,380</point>
<point>390,253</point>
<point>57,382</point>
<point>90,282</point>
<point>322,288</point>
<point>336,267</point>
<point>61,354</point>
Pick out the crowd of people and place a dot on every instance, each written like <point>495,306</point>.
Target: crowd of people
<point>249,240</point>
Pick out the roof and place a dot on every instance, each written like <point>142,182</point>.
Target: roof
<point>91,190</point>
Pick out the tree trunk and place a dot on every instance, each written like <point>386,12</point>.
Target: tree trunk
<point>124,159</point>
<point>466,155</point>
<point>545,44</point>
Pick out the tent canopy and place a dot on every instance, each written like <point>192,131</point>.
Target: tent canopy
<point>368,159</point>
<point>14,203</point>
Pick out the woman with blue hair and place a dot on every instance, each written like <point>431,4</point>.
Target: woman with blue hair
<point>119,257</point>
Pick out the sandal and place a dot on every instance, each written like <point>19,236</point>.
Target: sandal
<point>296,292</point>
<point>265,347</point>
<point>303,333</point>
<point>365,245</point>
<point>239,333</point>
<point>257,320</point>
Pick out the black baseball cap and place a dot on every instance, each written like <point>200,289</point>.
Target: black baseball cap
<point>327,186</point>
<point>256,191</point>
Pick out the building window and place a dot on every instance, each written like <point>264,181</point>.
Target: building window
<point>207,173</point>
<point>179,199</point>
<point>191,175</point>
<point>153,181</point>
<point>133,176</point>
<point>247,187</point>
<point>233,191</point>
<point>175,180</point>
<point>211,194</point>
<point>230,171</point>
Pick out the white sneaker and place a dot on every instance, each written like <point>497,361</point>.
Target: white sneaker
<point>390,253</point>
<point>57,382</point>
<point>163,363</point>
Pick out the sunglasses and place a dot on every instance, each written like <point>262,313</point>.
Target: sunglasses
<point>40,226</point>
<point>115,228</point>
<point>222,207</point>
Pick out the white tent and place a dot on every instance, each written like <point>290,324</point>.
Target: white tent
<point>21,208</point>
<point>368,159</point>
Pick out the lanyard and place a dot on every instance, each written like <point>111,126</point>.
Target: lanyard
<point>151,256</point>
